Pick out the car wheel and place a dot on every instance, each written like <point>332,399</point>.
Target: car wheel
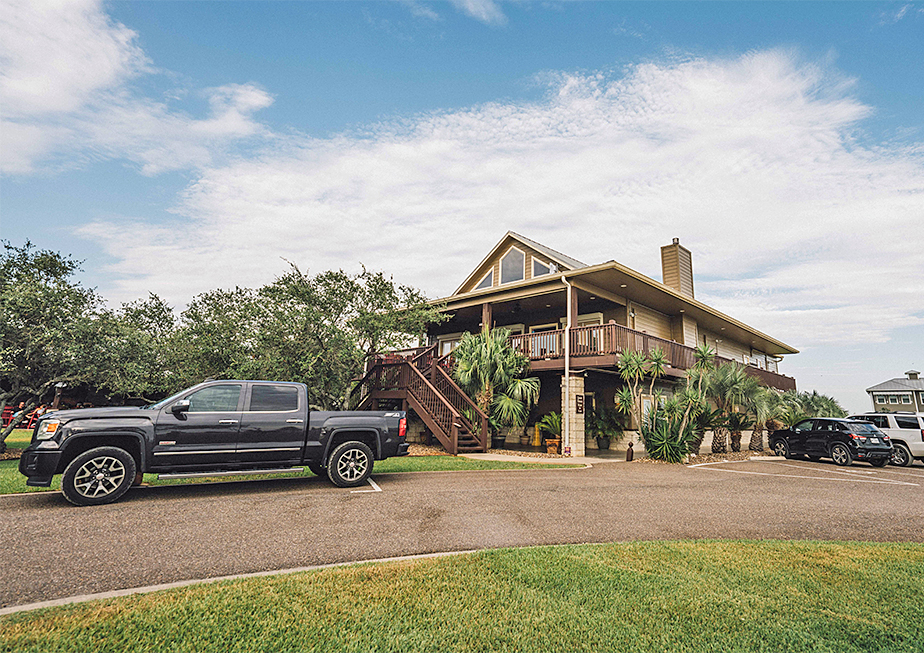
<point>781,448</point>
<point>841,455</point>
<point>350,464</point>
<point>901,456</point>
<point>879,462</point>
<point>98,476</point>
<point>317,468</point>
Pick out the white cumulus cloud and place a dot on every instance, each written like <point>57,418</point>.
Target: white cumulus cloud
<point>796,225</point>
<point>65,87</point>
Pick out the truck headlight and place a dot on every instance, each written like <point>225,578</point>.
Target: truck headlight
<point>48,429</point>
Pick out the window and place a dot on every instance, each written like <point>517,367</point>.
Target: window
<point>540,268</point>
<point>487,282</point>
<point>907,422</point>
<point>275,398</point>
<point>893,399</point>
<point>215,399</point>
<point>906,399</point>
<point>512,266</point>
<point>804,425</point>
<point>922,397</point>
<point>881,399</point>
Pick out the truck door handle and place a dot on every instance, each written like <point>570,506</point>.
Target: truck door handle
<point>227,421</point>
<point>294,421</point>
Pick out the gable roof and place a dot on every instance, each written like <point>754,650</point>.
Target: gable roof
<point>898,385</point>
<point>564,262</point>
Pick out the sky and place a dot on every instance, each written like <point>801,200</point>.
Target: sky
<point>176,147</point>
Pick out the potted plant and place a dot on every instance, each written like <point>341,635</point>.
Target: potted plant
<point>605,424</point>
<point>551,425</point>
<point>498,435</point>
<point>524,438</point>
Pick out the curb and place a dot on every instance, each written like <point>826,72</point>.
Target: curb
<point>83,598</point>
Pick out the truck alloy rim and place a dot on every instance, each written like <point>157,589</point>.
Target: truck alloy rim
<point>352,465</point>
<point>99,476</point>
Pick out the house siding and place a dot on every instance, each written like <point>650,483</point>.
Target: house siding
<point>726,348</point>
<point>652,322</point>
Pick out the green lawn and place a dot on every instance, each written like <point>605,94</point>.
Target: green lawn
<point>12,482</point>
<point>19,438</point>
<point>646,596</point>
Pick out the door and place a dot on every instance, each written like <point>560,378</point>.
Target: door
<point>800,433</point>
<point>273,426</point>
<point>819,439</point>
<point>205,434</point>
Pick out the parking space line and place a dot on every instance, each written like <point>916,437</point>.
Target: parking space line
<point>825,469</point>
<point>887,481</point>
<point>375,488</point>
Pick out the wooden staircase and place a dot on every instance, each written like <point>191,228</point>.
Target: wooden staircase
<point>421,381</point>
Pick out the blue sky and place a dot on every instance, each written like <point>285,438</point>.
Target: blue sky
<point>180,146</point>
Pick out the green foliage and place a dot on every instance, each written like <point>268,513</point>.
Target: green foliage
<point>605,422</point>
<point>551,424</point>
<point>46,325</point>
<point>492,373</point>
<point>667,436</point>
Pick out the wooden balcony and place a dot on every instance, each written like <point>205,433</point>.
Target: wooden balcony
<point>600,345</point>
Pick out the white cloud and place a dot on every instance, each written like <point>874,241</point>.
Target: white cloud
<point>65,69</point>
<point>487,11</point>
<point>795,226</point>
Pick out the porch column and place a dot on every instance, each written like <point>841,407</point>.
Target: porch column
<point>486,316</point>
<point>573,406</point>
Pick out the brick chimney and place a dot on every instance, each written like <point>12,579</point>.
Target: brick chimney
<point>677,267</point>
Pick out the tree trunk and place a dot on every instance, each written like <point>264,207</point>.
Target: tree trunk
<point>757,438</point>
<point>719,443</point>
<point>736,440</point>
<point>32,405</point>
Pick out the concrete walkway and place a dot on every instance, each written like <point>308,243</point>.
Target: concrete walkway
<point>571,460</point>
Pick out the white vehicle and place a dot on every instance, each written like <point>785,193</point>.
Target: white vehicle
<point>906,430</point>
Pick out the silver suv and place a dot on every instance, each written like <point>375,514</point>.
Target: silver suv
<point>906,430</point>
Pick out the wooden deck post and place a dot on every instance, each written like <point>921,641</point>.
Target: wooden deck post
<point>486,317</point>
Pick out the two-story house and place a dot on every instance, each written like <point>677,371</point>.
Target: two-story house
<point>573,320</point>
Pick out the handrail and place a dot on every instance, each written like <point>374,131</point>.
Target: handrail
<point>456,396</point>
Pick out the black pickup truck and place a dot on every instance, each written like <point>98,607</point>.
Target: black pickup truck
<point>214,428</point>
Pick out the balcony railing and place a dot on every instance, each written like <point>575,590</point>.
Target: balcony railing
<point>613,339</point>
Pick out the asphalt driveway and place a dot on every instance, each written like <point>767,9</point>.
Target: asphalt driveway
<point>165,534</point>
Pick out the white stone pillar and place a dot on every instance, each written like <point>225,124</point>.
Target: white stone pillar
<point>575,400</point>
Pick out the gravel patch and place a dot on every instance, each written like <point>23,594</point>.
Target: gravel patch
<point>11,454</point>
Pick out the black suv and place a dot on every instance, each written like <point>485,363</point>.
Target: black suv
<point>842,440</point>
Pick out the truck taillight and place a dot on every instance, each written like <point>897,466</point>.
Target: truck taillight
<point>402,427</point>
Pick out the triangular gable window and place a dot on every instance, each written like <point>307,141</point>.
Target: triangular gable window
<point>487,282</point>
<point>513,266</point>
<point>540,268</point>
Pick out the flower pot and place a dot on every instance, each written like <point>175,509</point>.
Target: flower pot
<point>603,444</point>
<point>524,440</point>
<point>551,445</point>
<point>498,441</point>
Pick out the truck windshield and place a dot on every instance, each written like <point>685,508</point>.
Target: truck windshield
<point>163,402</point>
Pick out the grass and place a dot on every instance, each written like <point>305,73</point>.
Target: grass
<point>12,482</point>
<point>19,438</point>
<point>647,596</point>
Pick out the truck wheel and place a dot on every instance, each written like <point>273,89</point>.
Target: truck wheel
<point>317,468</point>
<point>98,476</point>
<point>350,464</point>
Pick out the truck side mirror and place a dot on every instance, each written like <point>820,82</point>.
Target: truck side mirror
<point>181,406</point>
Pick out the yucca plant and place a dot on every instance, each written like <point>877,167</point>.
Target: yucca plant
<point>663,436</point>
<point>551,424</point>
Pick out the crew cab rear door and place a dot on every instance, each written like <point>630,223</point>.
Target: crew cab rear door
<point>273,424</point>
<point>205,434</point>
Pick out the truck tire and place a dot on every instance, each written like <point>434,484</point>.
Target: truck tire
<point>98,476</point>
<point>350,464</point>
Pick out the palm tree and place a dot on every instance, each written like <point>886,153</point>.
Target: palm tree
<point>728,386</point>
<point>632,366</point>
<point>761,408</point>
<point>492,373</point>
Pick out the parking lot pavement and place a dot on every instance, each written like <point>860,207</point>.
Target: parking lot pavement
<point>173,533</point>
<point>823,471</point>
